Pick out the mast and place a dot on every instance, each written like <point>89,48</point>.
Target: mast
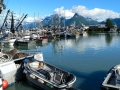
<point>5,20</point>
<point>64,18</point>
<point>34,22</point>
<point>2,6</point>
<point>20,13</point>
<point>39,20</point>
<point>12,23</point>
<point>21,22</point>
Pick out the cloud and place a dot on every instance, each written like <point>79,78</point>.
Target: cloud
<point>64,13</point>
<point>95,13</point>
<point>31,19</point>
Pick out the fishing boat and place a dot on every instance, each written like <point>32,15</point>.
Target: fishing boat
<point>11,65</point>
<point>9,41</point>
<point>24,41</point>
<point>46,76</point>
<point>112,79</point>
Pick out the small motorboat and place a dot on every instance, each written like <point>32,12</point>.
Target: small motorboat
<point>46,76</point>
<point>112,79</point>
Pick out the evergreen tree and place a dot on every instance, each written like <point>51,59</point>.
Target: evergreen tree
<point>109,23</point>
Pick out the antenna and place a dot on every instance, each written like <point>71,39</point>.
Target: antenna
<point>20,12</point>
<point>34,20</point>
<point>64,18</point>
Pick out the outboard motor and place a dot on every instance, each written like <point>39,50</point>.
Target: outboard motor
<point>39,57</point>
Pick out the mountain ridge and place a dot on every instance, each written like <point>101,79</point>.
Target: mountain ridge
<point>76,20</point>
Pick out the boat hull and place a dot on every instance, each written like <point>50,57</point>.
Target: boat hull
<point>9,42</point>
<point>24,43</point>
<point>11,65</point>
<point>14,74</point>
<point>40,85</point>
<point>112,79</point>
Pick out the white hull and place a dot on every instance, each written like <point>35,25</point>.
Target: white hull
<point>112,80</point>
<point>9,42</point>
<point>9,69</point>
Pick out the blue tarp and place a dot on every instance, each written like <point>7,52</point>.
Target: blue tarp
<point>6,35</point>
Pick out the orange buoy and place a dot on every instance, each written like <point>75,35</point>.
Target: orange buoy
<point>4,84</point>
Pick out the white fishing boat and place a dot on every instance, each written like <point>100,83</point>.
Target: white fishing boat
<point>9,41</point>
<point>11,65</point>
<point>112,79</point>
<point>24,41</point>
<point>46,76</point>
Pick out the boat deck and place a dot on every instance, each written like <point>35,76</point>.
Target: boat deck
<point>112,81</point>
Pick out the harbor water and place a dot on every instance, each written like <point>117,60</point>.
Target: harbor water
<point>88,57</point>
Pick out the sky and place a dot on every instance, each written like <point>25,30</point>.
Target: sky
<point>96,9</point>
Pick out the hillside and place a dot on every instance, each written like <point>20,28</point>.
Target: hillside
<point>76,20</point>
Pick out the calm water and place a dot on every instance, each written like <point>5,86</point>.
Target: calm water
<point>88,57</point>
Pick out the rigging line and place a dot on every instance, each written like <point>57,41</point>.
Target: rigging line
<point>3,14</point>
<point>7,3</point>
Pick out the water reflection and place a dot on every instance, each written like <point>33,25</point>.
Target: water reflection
<point>81,44</point>
<point>108,38</point>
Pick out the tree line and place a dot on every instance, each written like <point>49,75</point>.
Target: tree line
<point>109,24</point>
